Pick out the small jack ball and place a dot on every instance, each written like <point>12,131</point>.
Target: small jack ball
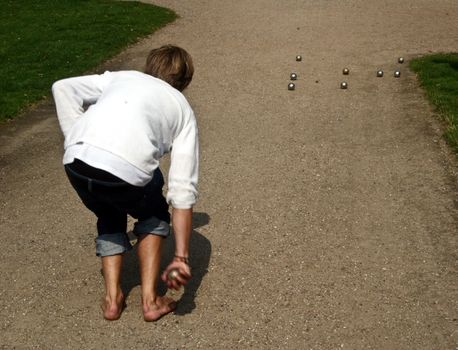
<point>346,71</point>
<point>401,59</point>
<point>343,85</point>
<point>293,76</point>
<point>379,73</point>
<point>291,86</point>
<point>397,74</point>
<point>298,58</point>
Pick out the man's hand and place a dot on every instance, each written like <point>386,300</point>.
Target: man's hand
<point>182,227</point>
<point>177,274</point>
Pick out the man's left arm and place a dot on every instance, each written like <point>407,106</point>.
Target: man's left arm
<point>182,228</point>
<point>182,195</point>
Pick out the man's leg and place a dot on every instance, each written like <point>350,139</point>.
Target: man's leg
<point>149,256</point>
<point>113,303</point>
<point>112,241</point>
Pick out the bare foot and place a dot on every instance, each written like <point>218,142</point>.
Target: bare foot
<point>112,309</point>
<point>156,309</point>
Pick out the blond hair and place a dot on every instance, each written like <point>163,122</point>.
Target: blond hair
<point>171,64</point>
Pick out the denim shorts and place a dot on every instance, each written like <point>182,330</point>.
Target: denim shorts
<point>112,200</point>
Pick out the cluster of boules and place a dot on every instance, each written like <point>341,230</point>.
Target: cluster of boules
<point>379,73</point>
<point>396,74</point>
<point>344,84</point>
<point>345,71</point>
<point>293,75</point>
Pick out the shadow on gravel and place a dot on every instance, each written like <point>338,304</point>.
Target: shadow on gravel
<point>200,252</point>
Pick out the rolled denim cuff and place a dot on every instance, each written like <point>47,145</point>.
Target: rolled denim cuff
<point>153,226</point>
<point>112,244</point>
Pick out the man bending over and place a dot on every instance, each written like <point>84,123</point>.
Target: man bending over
<point>117,126</point>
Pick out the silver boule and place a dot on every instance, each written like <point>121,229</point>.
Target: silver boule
<point>345,71</point>
<point>344,85</point>
<point>401,60</point>
<point>293,76</point>
<point>379,73</point>
<point>397,74</point>
<point>298,58</point>
<point>173,274</point>
<point>291,86</point>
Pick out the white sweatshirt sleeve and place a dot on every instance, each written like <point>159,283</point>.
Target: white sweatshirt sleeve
<point>184,167</point>
<point>72,94</point>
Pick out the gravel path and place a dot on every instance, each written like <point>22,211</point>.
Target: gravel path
<point>327,217</point>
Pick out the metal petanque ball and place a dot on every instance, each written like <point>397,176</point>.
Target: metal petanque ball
<point>298,58</point>
<point>401,60</point>
<point>291,86</point>
<point>345,71</point>
<point>397,74</point>
<point>293,76</point>
<point>343,85</point>
<point>173,274</point>
<point>380,73</point>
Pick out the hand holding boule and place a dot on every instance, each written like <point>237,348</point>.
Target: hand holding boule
<point>176,275</point>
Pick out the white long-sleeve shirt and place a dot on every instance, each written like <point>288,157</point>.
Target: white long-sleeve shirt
<point>133,119</point>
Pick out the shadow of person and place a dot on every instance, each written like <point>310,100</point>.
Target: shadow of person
<point>199,258</point>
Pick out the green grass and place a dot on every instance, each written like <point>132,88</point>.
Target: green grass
<point>438,74</point>
<point>42,41</point>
